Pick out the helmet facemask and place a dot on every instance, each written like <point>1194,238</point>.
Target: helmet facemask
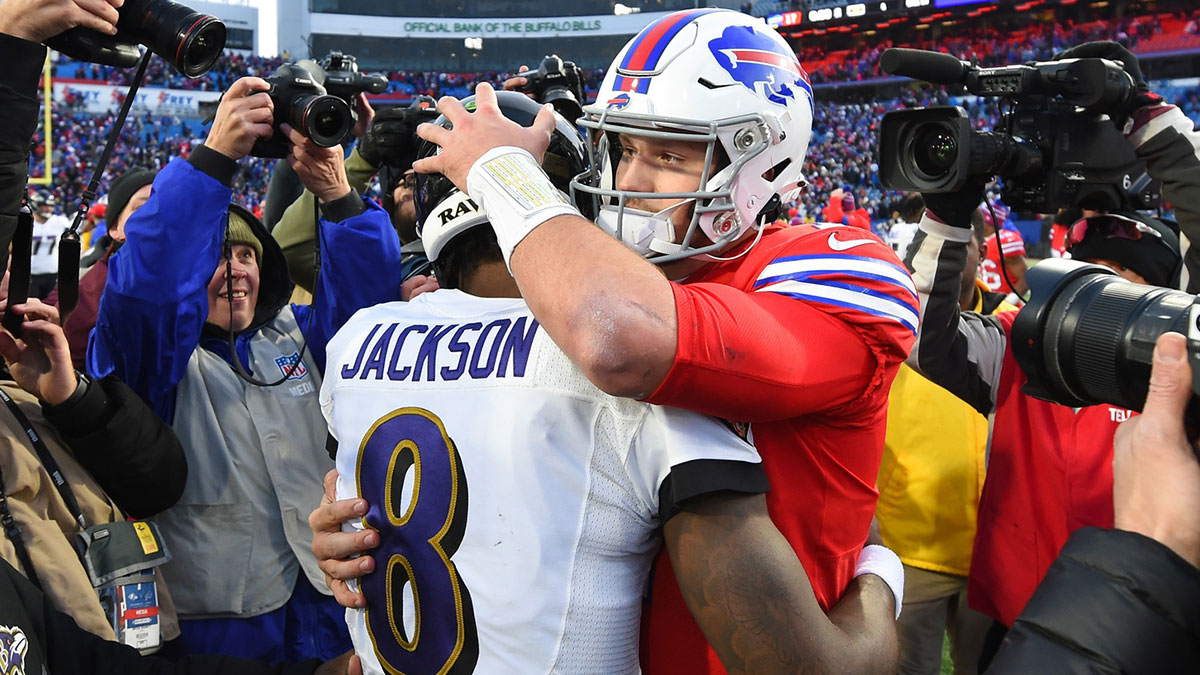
<point>733,142</point>
<point>712,76</point>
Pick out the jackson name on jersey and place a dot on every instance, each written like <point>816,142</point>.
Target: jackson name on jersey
<point>518,506</point>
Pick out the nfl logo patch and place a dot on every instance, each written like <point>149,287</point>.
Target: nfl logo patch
<point>285,364</point>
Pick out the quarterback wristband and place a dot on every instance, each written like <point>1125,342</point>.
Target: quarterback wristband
<point>885,564</point>
<point>516,194</point>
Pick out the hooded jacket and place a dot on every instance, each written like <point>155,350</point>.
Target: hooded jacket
<point>256,453</point>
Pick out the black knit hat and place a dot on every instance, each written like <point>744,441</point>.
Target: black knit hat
<point>1157,258</point>
<point>122,191</point>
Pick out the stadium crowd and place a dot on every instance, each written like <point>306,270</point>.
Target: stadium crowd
<point>228,368</point>
<point>841,154</point>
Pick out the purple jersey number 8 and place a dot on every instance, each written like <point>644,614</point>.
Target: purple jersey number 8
<point>417,538</point>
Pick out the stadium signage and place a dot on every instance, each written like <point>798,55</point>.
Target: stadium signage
<point>488,28</point>
<point>103,98</point>
<point>426,27</point>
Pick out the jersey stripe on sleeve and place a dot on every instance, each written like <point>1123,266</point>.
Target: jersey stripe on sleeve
<point>862,283</point>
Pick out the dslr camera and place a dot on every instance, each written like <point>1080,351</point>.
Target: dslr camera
<point>191,41</point>
<point>317,99</point>
<point>559,83</point>
<point>343,79</point>
<point>300,98</point>
<point>1053,146</point>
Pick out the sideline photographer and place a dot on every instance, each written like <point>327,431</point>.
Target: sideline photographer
<point>198,287</point>
<point>1137,611</point>
<point>387,146</point>
<point>1049,465</point>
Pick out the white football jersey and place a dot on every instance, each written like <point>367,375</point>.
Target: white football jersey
<point>518,506</point>
<point>44,255</point>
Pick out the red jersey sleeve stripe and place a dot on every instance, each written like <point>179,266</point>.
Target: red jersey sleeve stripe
<point>857,265</point>
<point>849,296</point>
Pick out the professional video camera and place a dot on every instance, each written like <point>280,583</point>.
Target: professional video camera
<point>559,83</point>
<point>1087,336</point>
<point>190,40</point>
<point>1053,147</point>
<point>298,92</point>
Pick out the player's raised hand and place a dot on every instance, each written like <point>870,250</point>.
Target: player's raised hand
<point>38,20</point>
<point>476,133</point>
<point>245,114</point>
<point>334,548</point>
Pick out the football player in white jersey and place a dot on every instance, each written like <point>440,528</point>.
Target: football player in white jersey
<point>48,226</point>
<point>518,507</point>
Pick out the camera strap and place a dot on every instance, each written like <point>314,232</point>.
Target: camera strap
<point>13,532</point>
<point>69,245</point>
<point>47,460</point>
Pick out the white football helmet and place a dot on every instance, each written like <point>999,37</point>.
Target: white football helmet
<point>706,75</point>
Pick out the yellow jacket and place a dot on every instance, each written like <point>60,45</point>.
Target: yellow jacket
<point>934,460</point>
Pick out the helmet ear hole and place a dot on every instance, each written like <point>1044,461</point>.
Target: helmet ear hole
<point>770,174</point>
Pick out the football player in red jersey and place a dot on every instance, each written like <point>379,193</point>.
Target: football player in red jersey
<point>793,334</point>
<point>1003,247</point>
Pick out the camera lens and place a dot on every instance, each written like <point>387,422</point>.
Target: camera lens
<point>324,119</point>
<point>191,41</point>
<point>201,48</point>
<point>935,150</point>
<point>325,124</point>
<point>1087,336</point>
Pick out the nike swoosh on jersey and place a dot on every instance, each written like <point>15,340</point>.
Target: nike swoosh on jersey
<point>839,245</point>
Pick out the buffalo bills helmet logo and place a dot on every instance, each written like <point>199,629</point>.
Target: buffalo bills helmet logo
<point>618,102</point>
<point>761,64</point>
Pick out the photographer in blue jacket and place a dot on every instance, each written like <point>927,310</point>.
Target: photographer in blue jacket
<point>196,275</point>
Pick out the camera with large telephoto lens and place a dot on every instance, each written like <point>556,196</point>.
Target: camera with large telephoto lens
<point>1087,336</point>
<point>190,40</point>
<point>1053,146</point>
<point>298,92</point>
<point>559,83</point>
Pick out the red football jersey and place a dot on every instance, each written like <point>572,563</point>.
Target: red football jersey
<point>797,343</point>
<point>1010,244</point>
<point>1058,240</point>
<point>1049,473</point>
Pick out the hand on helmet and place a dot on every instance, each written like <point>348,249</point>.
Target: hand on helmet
<point>475,133</point>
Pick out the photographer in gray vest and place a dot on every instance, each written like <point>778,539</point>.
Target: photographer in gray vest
<point>195,318</point>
